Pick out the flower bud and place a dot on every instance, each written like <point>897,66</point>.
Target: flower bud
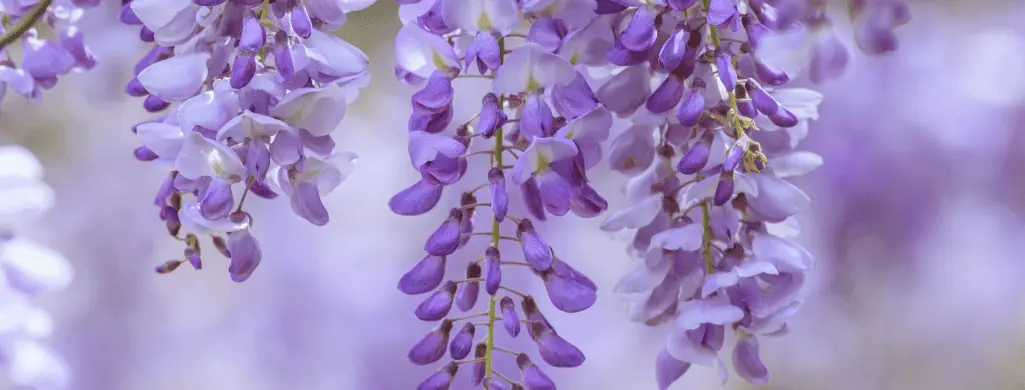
<point>426,275</point>
<point>510,320</point>
<point>462,342</point>
<point>431,347</point>
<point>445,240</point>
<point>437,306</point>
<point>535,250</point>
<point>466,298</point>
<point>493,277</point>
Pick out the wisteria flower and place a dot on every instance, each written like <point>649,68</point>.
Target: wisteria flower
<point>253,91</point>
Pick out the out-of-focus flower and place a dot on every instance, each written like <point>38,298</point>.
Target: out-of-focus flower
<point>27,270</point>
<point>42,60</point>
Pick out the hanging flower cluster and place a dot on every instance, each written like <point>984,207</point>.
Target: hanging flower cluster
<point>252,91</point>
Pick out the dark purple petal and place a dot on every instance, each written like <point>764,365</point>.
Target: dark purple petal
<point>261,190</point>
<point>445,239</point>
<point>693,104</point>
<point>426,275</point>
<point>301,23</point>
<point>431,347</point>
<point>242,70</point>
<point>462,343</point>
<point>253,36</point>
<point>485,51</point>
<point>257,160</point>
<point>491,116</point>
<point>733,157</point>
<point>555,194</point>
<point>445,170</point>
<point>437,306</point>
<point>127,16</point>
<point>696,157</point>
<point>245,255</point>
<point>146,35</point>
<point>283,56</point>
<point>608,7</point>
<point>784,118</point>
<point>426,120</point>
<point>587,203</point>
<point>499,197</point>
<point>466,297</point>
<point>762,101</point>
<point>672,53</point>
<point>727,73</point>
<point>536,118</point>
<point>755,30</point>
<point>195,261</point>
<point>433,21</point>
<point>532,199</point>
<point>436,95</point>
<point>666,96</point>
<point>621,56</point>
<point>440,380</point>
<point>535,250</point>
<point>555,350</point>
<point>533,378</point>
<point>143,153</point>
<point>493,275</point>
<point>417,199</point>
<point>640,34</point>
<point>135,89</point>
<point>569,290</point>
<point>217,200</point>
<point>154,104</point>
<point>479,352</point>
<point>723,189</point>
<point>510,320</point>
<point>772,75</point>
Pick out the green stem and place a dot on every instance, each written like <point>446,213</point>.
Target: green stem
<point>25,23</point>
<point>496,236</point>
<point>714,34</point>
<point>706,238</point>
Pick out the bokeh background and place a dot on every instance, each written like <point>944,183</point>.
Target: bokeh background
<point>916,224</point>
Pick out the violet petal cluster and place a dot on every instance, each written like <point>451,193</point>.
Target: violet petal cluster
<point>710,143</point>
<point>37,65</point>
<point>541,111</point>
<point>249,93</point>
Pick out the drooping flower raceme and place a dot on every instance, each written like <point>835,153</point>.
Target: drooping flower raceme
<point>251,91</point>
<point>541,112</point>
<point>711,140</point>
<point>27,270</point>
<point>41,60</point>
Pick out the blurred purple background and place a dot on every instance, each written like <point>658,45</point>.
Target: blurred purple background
<point>916,224</point>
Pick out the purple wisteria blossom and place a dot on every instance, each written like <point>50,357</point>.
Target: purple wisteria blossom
<point>711,139</point>
<point>42,60</point>
<point>251,91</point>
<point>541,112</point>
